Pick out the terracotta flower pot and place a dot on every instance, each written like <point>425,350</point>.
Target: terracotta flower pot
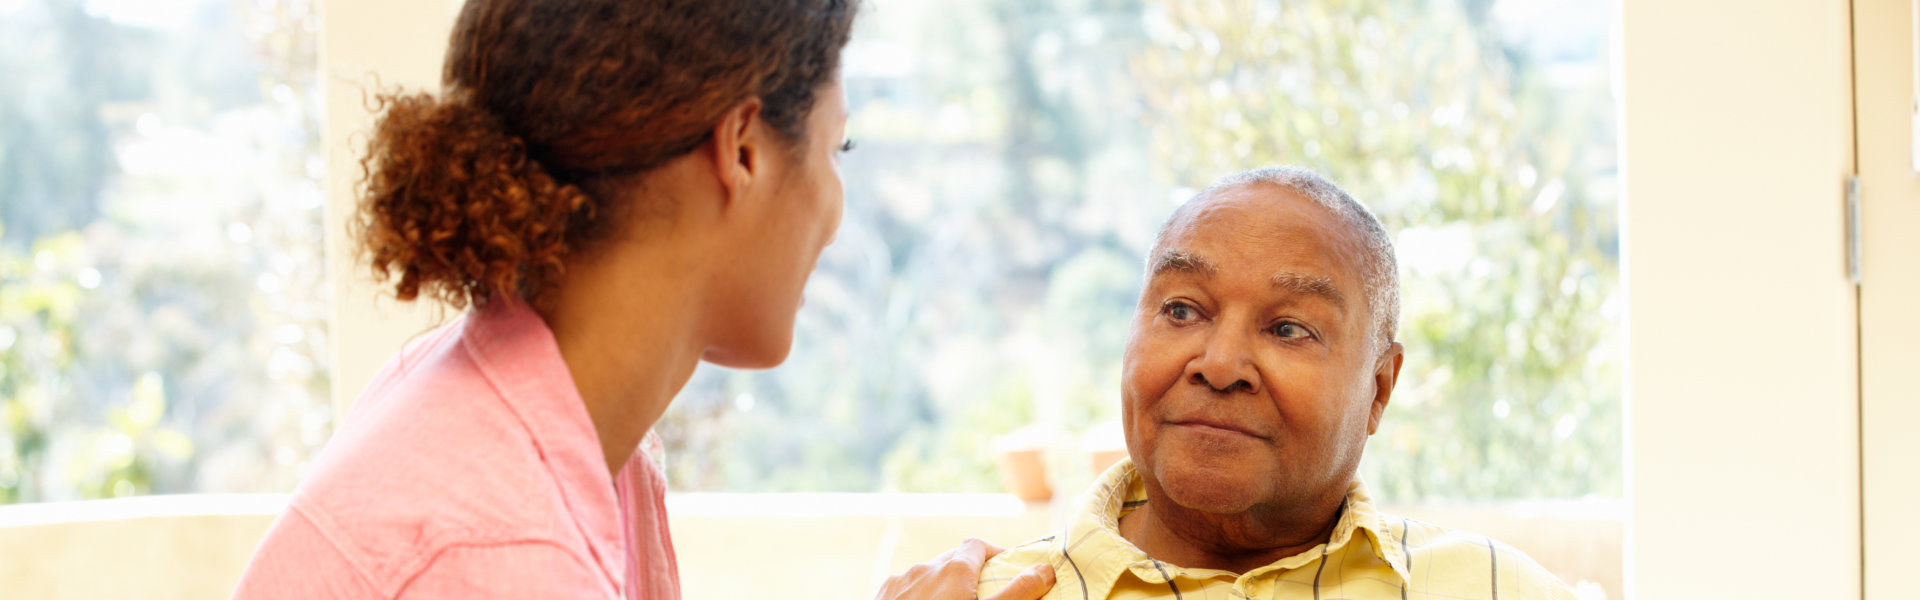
<point>1104,445</point>
<point>1101,460</point>
<point>1024,474</point>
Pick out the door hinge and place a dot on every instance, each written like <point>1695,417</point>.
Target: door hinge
<point>1853,228</point>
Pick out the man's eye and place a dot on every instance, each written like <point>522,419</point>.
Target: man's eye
<point>846,145</point>
<point>1180,312</point>
<point>1289,331</point>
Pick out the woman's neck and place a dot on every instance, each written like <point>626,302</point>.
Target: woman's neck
<point>628,327</point>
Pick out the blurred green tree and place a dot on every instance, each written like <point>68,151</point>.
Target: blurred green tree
<point>37,314</point>
<point>162,307</point>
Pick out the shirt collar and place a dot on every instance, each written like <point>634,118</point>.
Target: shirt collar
<point>1093,533</point>
<point>517,353</point>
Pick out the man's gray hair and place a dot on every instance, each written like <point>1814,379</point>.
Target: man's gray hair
<point>1379,273</point>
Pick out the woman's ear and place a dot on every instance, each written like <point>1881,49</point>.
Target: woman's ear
<point>739,148</point>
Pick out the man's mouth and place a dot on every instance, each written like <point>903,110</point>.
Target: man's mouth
<point>1217,426</point>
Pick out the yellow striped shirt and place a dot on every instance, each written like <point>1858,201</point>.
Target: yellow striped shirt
<point>1371,555</point>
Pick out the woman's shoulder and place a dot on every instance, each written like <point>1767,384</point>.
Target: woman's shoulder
<point>309,555</point>
<point>431,459</point>
<point>404,485</point>
<point>434,350</point>
<point>472,436</point>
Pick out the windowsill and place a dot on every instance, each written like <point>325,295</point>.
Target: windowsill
<point>844,504</point>
<point>689,504</point>
<point>197,544</point>
<point>141,507</point>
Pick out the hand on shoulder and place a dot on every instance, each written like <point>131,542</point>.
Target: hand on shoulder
<point>955,575</point>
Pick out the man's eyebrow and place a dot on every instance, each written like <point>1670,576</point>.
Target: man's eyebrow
<point>1174,260</point>
<point>1311,285</point>
<point>1306,285</point>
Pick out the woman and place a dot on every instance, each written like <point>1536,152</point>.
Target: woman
<point>617,189</point>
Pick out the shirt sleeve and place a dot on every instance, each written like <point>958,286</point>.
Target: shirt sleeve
<point>517,570</point>
<point>296,560</point>
<point>1524,578</point>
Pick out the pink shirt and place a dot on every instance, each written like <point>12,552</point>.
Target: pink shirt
<point>470,469</point>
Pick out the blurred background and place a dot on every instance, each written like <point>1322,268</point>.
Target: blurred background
<point>166,314</point>
<point>163,318</point>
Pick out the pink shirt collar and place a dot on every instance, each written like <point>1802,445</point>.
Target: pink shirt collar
<point>517,353</point>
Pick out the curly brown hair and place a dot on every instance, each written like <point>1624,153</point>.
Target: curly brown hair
<point>550,109</point>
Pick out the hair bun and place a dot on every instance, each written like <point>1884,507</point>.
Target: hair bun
<point>452,204</point>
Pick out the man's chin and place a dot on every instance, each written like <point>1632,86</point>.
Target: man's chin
<point>1207,488</point>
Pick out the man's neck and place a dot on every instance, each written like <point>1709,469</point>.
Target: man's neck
<point>1235,543</point>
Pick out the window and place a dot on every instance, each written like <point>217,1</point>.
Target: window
<point>161,317</point>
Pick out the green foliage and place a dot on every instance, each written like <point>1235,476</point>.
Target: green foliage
<point>37,312</point>
<point>121,459</point>
<point>1498,186</point>
<point>56,152</point>
<point>162,302</point>
<point>41,352</point>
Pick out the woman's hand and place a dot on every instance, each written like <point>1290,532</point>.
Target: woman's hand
<point>955,574</point>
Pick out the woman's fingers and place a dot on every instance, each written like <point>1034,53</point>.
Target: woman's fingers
<point>953,575</point>
<point>1030,584</point>
<point>975,552</point>
<point>991,550</point>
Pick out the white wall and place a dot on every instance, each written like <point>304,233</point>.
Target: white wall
<point>368,46</point>
<point>1743,468</point>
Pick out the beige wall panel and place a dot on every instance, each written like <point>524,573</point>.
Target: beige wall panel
<point>369,45</point>
<point>1743,401</point>
<point>147,547</point>
<point>1889,294</point>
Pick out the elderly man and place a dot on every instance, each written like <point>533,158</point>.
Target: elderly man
<point>1260,359</point>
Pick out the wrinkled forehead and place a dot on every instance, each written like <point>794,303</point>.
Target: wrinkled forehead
<point>1263,219</point>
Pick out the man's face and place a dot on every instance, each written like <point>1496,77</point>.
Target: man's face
<point>1251,370</point>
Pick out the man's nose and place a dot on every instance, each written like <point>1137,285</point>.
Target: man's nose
<point>1226,364</point>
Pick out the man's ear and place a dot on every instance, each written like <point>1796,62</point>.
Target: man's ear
<point>1386,372</point>
<point>738,149</point>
